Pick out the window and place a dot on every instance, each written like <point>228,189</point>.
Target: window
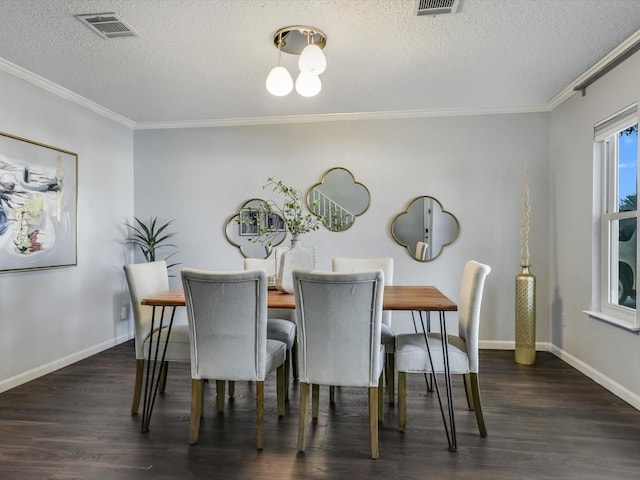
<point>616,153</point>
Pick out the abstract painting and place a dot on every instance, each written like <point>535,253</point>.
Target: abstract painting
<point>38,205</point>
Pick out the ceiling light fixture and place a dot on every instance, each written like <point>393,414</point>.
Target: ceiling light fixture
<point>307,42</point>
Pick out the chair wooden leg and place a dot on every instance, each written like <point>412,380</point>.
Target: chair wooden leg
<point>232,388</point>
<point>260,413</point>
<point>294,361</point>
<point>381,399</point>
<point>196,410</point>
<point>220,395</point>
<point>467,390</point>
<point>315,400</point>
<point>475,388</point>
<point>163,377</point>
<point>390,368</point>
<point>137,387</point>
<point>287,373</point>
<point>281,388</point>
<point>202,397</point>
<point>302,416</point>
<point>373,420</point>
<point>402,401</point>
<point>332,394</point>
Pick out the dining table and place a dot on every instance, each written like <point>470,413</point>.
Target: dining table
<point>420,299</point>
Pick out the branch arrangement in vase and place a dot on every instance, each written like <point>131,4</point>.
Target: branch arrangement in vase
<point>524,230</point>
<point>291,211</point>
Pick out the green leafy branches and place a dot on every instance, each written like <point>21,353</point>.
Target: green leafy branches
<point>291,210</point>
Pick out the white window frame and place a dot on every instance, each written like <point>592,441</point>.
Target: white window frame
<point>606,200</point>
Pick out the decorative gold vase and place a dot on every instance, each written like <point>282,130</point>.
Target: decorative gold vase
<point>525,317</point>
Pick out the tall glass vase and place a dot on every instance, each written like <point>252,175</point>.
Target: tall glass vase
<point>525,317</point>
<point>290,258</point>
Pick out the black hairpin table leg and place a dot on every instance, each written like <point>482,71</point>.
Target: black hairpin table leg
<point>153,375</point>
<point>449,424</point>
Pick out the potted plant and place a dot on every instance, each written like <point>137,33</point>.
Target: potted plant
<point>150,237</point>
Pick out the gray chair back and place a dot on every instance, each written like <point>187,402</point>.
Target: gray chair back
<point>344,264</point>
<point>339,318</point>
<point>269,264</point>
<point>227,316</point>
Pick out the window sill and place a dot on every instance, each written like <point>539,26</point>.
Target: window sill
<point>630,327</point>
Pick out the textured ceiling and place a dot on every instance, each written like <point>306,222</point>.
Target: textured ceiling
<point>208,59</point>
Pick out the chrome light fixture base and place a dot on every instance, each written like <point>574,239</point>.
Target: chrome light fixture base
<point>294,38</point>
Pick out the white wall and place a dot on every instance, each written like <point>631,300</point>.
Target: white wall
<point>608,354</point>
<point>51,318</point>
<point>473,165</point>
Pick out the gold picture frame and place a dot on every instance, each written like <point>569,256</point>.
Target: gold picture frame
<point>38,205</point>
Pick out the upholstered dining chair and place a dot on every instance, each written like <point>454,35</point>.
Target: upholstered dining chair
<point>145,279</point>
<point>281,322</point>
<point>343,264</point>
<point>227,317</point>
<point>339,319</point>
<point>412,355</point>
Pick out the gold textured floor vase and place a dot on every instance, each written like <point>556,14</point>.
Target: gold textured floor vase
<point>525,317</point>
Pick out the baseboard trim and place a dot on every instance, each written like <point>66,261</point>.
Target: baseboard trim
<point>510,345</point>
<point>50,367</point>
<point>614,387</point>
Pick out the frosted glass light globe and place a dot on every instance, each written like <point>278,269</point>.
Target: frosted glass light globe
<point>308,84</point>
<point>312,59</point>
<point>279,82</point>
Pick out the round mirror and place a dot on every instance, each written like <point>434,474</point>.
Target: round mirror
<point>255,230</point>
<point>424,228</point>
<point>338,199</point>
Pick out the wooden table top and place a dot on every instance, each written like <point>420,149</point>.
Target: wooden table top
<point>396,297</point>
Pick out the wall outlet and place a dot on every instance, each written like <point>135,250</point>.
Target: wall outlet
<point>123,312</point>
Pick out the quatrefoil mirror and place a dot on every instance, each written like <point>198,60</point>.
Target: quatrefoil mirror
<point>255,229</point>
<point>425,228</point>
<point>338,199</point>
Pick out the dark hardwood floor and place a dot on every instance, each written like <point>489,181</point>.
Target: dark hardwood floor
<point>546,421</point>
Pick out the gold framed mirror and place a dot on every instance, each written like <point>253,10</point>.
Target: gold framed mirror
<point>246,229</point>
<point>425,228</point>
<point>338,199</point>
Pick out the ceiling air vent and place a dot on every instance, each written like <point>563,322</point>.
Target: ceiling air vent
<point>436,7</point>
<point>107,25</point>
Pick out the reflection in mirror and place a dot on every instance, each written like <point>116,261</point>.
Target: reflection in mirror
<point>338,199</point>
<point>245,229</point>
<point>424,228</point>
<point>421,251</point>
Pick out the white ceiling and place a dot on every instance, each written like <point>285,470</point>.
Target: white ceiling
<point>207,60</point>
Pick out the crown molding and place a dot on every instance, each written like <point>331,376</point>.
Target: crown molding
<point>56,89</point>
<point>335,117</point>
<point>569,91</point>
<point>62,92</point>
